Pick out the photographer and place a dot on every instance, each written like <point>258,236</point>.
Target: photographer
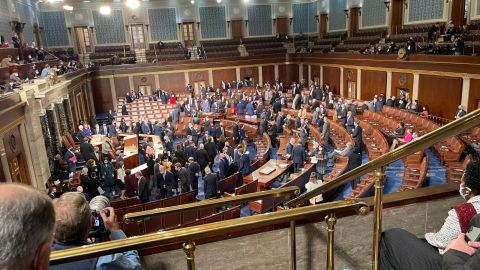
<point>74,221</point>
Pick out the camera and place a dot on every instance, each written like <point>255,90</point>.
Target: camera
<point>97,205</point>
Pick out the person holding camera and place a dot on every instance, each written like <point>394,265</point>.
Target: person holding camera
<point>74,222</point>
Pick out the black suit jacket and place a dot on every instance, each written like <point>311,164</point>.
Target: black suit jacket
<point>357,135</point>
<point>298,154</point>
<point>168,180</point>
<point>143,192</point>
<point>201,156</point>
<point>210,188</point>
<point>87,151</point>
<point>456,260</point>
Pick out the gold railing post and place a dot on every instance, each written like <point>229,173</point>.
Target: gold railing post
<point>331,220</point>
<point>293,246</point>
<point>189,249</point>
<point>377,223</point>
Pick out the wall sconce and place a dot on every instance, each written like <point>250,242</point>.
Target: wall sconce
<point>446,1</point>
<point>406,4</point>
<point>198,25</point>
<point>346,13</point>
<point>179,26</point>
<point>126,27</point>
<point>359,12</point>
<point>291,20</point>
<point>147,25</point>
<point>246,23</point>
<point>228,23</point>
<point>274,20</point>
<point>317,18</point>
<point>387,5</point>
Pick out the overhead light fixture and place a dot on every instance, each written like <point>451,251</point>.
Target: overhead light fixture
<point>105,10</point>
<point>192,2</point>
<point>219,1</point>
<point>133,4</point>
<point>68,7</point>
<point>245,1</point>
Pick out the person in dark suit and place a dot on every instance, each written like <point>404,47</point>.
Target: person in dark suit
<point>211,149</point>
<point>326,131</point>
<point>289,148</point>
<point>128,98</point>
<point>279,122</point>
<point>143,192</point>
<point>277,106</point>
<point>354,161</point>
<point>350,122</point>
<point>183,177</point>
<point>87,150</point>
<point>124,110</point>
<point>357,136</point>
<point>460,112</point>
<point>223,166</point>
<point>235,130</point>
<point>97,130</point>
<point>80,134</point>
<point>298,157</point>
<point>342,115</point>
<point>244,163</point>
<point>194,171</point>
<point>166,183</point>
<point>211,187</point>
<point>201,156</point>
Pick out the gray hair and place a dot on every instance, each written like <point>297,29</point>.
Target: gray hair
<point>28,220</point>
<point>73,218</point>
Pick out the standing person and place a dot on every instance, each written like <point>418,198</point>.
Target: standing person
<point>244,162</point>
<point>202,157</point>
<point>130,184</point>
<point>298,157</point>
<point>183,177</point>
<point>120,181</point>
<point>143,192</point>
<point>166,183</point>
<point>211,187</point>
<point>108,172</point>
<point>312,184</point>
<point>90,185</point>
<point>194,173</point>
<point>326,132</point>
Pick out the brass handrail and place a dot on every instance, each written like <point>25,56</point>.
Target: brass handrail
<point>233,200</point>
<point>202,231</point>
<point>451,129</point>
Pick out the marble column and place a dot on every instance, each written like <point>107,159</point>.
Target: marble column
<point>47,137</point>
<point>359,84</point>
<point>114,93</point>
<point>61,118</point>
<point>321,75</point>
<point>341,90</point>
<point>260,75</point>
<point>210,77</point>
<point>309,74</point>
<point>5,166</point>
<point>465,93</point>
<point>388,93</point>
<point>68,114</point>
<point>300,72</point>
<point>416,85</point>
<point>237,73</point>
<point>54,131</point>
<point>276,72</point>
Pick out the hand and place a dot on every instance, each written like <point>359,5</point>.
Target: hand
<point>111,223</point>
<point>462,246</point>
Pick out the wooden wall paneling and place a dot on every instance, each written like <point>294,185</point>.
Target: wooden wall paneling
<point>331,76</point>
<point>198,76</point>
<point>122,86</point>
<point>227,75</point>
<point>305,73</point>
<point>73,108</point>
<point>316,72</point>
<point>15,153</point>
<point>323,24</point>
<point>282,25</point>
<point>474,95</point>
<point>288,73</point>
<point>353,20</point>
<point>268,73</point>
<point>102,94</point>
<point>458,13</point>
<point>282,74</point>
<point>401,81</point>
<point>349,75</point>
<point>396,9</point>
<point>373,83</point>
<point>173,82</point>
<point>249,72</point>
<point>146,80</point>
<point>237,28</point>
<point>442,94</point>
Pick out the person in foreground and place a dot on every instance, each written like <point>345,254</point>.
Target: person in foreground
<point>73,223</point>
<point>401,250</point>
<point>26,228</point>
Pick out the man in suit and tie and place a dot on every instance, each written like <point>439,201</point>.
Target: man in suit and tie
<point>298,157</point>
<point>244,162</point>
<point>128,98</point>
<point>220,131</point>
<point>357,136</point>
<point>143,191</point>
<point>223,166</point>
<point>81,133</point>
<point>342,115</point>
<point>289,148</point>
<point>279,122</point>
<point>460,112</point>
<point>111,129</point>
<point>350,122</point>
<point>211,187</point>
<point>315,116</point>
<point>377,103</point>
<point>166,183</point>
<point>326,131</point>
<point>97,130</point>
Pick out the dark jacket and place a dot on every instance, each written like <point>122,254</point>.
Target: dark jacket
<point>143,192</point>
<point>298,154</point>
<point>130,186</point>
<point>211,189</point>
<point>168,180</point>
<point>244,164</point>
<point>87,151</point>
<point>201,156</point>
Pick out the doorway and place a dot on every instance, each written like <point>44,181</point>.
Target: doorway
<point>188,31</point>
<point>138,36</point>
<point>84,44</point>
<point>18,170</point>
<point>352,90</point>
<point>198,87</point>
<point>146,90</point>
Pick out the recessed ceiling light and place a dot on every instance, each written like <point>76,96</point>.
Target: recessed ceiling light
<point>68,7</point>
<point>133,4</point>
<point>105,10</point>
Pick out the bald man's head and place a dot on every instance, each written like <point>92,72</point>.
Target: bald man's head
<point>26,227</point>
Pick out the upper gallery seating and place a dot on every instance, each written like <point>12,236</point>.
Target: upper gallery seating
<point>63,54</point>
<point>414,174</point>
<point>221,48</point>
<point>170,52</point>
<point>103,54</point>
<point>268,45</point>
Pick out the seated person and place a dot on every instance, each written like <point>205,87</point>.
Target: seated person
<point>73,223</point>
<point>426,253</point>
<point>14,77</point>
<point>345,152</point>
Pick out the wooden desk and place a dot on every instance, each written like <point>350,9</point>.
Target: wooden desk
<point>265,180</point>
<point>244,119</point>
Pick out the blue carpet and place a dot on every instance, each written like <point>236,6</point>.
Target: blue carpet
<point>245,211</point>
<point>251,150</point>
<point>436,171</point>
<point>273,153</point>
